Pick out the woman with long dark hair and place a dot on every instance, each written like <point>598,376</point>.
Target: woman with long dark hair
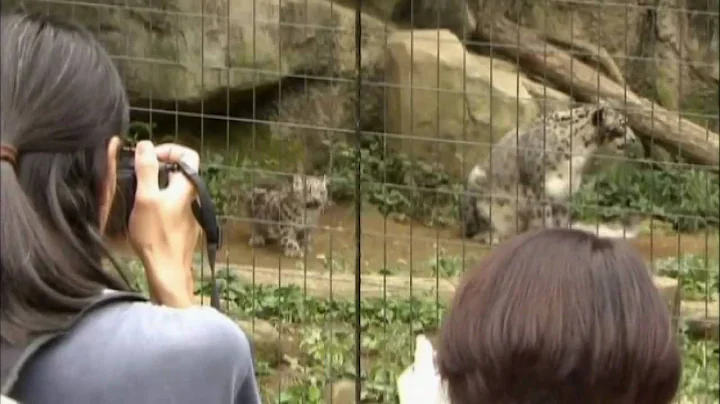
<point>63,110</point>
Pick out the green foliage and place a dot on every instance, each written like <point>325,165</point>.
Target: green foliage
<point>701,370</point>
<point>229,178</point>
<point>325,330</point>
<point>140,131</point>
<point>289,305</point>
<point>446,266</point>
<point>687,198</point>
<point>699,276</point>
<point>406,188</point>
<point>398,185</point>
<point>700,105</point>
<point>327,337</point>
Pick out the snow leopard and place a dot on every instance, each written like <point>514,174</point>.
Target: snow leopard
<point>286,212</point>
<point>530,176</point>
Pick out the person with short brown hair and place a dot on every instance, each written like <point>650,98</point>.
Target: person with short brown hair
<point>559,316</point>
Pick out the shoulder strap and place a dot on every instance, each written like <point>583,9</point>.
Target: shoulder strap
<point>15,357</point>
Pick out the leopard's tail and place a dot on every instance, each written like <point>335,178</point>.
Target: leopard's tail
<point>627,229</point>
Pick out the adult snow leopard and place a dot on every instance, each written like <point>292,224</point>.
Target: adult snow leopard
<point>529,178</point>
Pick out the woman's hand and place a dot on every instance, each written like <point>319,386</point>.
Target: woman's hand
<point>162,229</point>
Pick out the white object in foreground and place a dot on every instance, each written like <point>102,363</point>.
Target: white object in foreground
<point>420,383</point>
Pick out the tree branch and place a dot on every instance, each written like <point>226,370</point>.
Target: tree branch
<point>648,119</point>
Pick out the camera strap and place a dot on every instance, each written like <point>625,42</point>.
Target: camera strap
<point>204,211</point>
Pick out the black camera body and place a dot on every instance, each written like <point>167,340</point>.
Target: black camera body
<point>203,207</point>
<point>125,192</point>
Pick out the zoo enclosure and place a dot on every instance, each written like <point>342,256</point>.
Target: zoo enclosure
<point>396,101</point>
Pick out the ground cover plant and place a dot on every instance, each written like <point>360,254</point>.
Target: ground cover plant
<point>323,331</point>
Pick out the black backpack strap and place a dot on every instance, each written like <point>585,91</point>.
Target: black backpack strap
<point>205,213</point>
<point>14,358</point>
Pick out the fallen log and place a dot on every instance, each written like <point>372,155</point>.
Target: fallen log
<point>596,53</point>
<point>648,119</point>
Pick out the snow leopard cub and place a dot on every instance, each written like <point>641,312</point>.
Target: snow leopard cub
<point>286,212</point>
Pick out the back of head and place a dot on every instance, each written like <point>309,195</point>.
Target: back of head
<point>559,316</point>
<point>61,101</point>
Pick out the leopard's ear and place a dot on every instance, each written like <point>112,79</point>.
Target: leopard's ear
<point>598,116</point>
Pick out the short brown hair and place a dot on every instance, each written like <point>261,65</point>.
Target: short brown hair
<point>559,316</point>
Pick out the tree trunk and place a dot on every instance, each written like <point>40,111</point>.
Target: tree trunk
<point>592,53</point>
<point>659,67</point>
<point>649,120</point>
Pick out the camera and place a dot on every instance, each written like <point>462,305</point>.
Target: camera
<point>124,199</point>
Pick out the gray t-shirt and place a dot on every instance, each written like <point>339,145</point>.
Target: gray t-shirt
<point>135,352</point>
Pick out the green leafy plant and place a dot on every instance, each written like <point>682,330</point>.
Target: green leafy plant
<point>405,188</point>
<point>229,178</point>
<point>699,276</point>
<point>401,187</point>
<point>398,185</point>
<point>389,328</point>
<point>687,198</point>
<point>701,370</point>
<point>325,333</point>
<point>446,266</point>
<point>140,131</point>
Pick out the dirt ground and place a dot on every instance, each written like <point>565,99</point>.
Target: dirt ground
<point>411,246</point>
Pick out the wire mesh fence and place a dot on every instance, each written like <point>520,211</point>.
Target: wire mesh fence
<point>348,145</point>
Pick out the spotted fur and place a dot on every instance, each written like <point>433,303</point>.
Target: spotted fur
<point>531,175</point>
<point>287,212</point>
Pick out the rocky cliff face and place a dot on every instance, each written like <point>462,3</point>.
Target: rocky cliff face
<point>464,93</point>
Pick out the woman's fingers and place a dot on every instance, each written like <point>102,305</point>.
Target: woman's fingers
<point>179,186</point>
<point>174,153</point>
<point>146,170</point>
<point>147,167</point>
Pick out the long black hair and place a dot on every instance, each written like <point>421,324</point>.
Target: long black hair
<point>61,101</point>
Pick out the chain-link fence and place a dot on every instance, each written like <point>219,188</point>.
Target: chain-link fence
<point>363,129</point>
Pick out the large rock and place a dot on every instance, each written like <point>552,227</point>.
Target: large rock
<point>549,99</point>
<point>311,118</point>
<point>320,113</point>
<point>440,99</point>
<point>458,16</point>
<point>176,50</point>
